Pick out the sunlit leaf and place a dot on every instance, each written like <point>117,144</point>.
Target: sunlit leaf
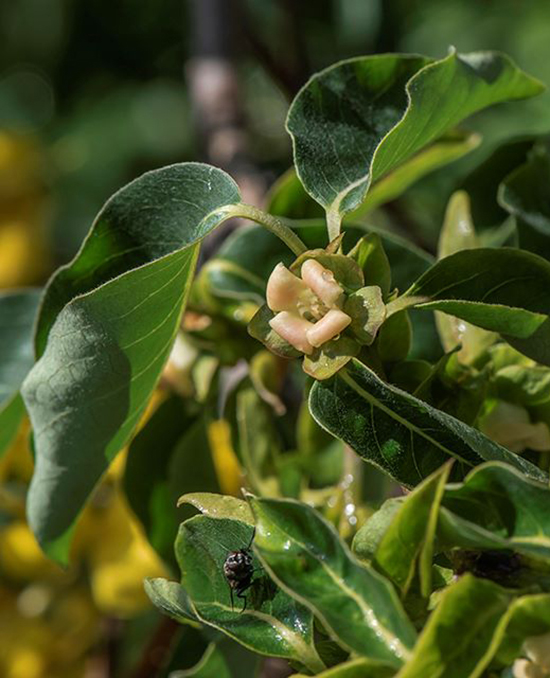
<point>110,319</point>
<point>357,120</point>
<point>272,623</point>
<point>455,641</point>
<point>307,557</point>
<point>408,543</point>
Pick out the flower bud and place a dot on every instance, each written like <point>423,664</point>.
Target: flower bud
<point>328,327</point>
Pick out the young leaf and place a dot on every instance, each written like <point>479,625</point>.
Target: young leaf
<point>448,148</point>
<point>372,259</point>
<point>170,598</point>
<point>458,234</point>
<point>370,534</point>
<point>398,433</point>
<point>414,100</point>
<point>455,641</point>
<point>17,315</point>
<point>219,506</point>
<point>306,556</point>
<point>107,346</point>
<point>272,622</point>
<point>408,542</point>
<point>501,290</point>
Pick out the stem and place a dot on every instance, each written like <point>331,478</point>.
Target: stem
<point>403,302</point>
<point>273,224</point>
<point>334,223</point>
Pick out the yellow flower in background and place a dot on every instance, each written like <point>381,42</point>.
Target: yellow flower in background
<point>24,253</point>
<point>118,554</point>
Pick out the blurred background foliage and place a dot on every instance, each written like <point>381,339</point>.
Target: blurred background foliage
<point>92,94</point>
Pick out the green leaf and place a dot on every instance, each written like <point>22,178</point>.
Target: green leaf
<point>356,668</point>
<point>170,598</point>
<point>524,194</point>
<point>408,542</point>
<point>394,338</point>
<point>398,433</point>
<point>211,665</point>
<point>288,198</point>
<point>458,234</point>
<point>331,357</point>
<point>450,147</point>
<point>219,506</point>
<point>17,316</point>
<point>305,555</point>
<point>354,122</point>
<point>155,215</point>
<point>272,623</point>
<point>107,346</point>
<point>502,290</point>
<point>370,534</point>
<point>372,259</point>
<point>527,617</point>
<point>455,641</point>
<point>497,508</point>
<point>257,444</point>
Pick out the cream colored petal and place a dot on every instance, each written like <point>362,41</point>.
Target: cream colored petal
<point>321,281</point>
<point>328,327</point>
<point>292,328</point>
<point>284,289</point>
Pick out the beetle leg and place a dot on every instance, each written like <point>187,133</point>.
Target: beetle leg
<point>240,594</point>
<point>231,595</point>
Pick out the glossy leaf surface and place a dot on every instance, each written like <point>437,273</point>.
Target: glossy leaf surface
<point>402,435</point>
<point>272,623</point>
<point>309,560</point>
<point>171,599</point>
